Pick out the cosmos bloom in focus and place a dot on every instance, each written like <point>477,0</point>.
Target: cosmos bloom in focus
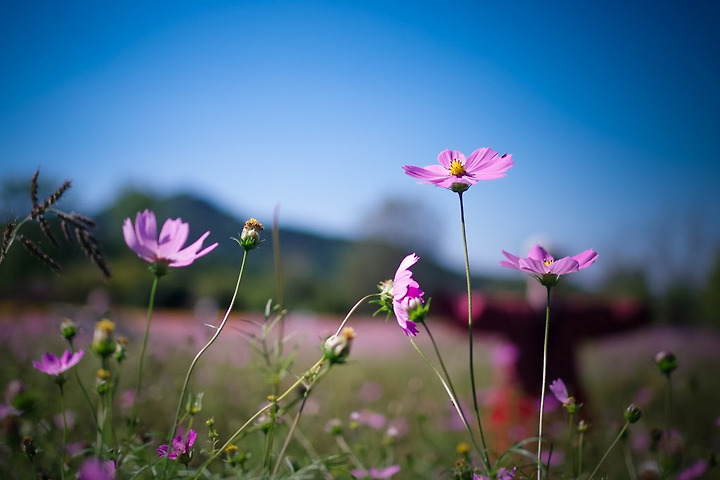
<point>166,249</point>
<point>52,365</point>
<point>458,173</point>
<point>179,447</point>
<point>544,267</point>
<point>558,388</point>
<point>406,295</point>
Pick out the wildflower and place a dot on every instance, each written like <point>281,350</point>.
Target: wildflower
<point>103,342</point>
<point>68,329</point>
<point>696,470</point>
<point>373,472</point>
<point>458,173</point>
<point>165,251</point>
<point>407,297</point>
<point>51,365</point>
<point>179,447</point>
<point>557,387</point>
<point>94,469</point>
<point>666,362</point>
<point>502,474</point>
<point>337,347</point>
<point>250,236</point>
<point>540,264</point>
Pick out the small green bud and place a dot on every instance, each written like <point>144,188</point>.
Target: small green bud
<point>459,187</point>
<point>632,413</point>
<point>250,235</point>
<point>337,347</point>
<point>68,329</point>
<point>103,343</point>
<point>334,426</point>
<point>583,426</point>
<point>194,403</point>
<point>120,350</point>
<point>666,362</point>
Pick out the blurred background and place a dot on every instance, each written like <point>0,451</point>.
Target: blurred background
<point>305,111</point>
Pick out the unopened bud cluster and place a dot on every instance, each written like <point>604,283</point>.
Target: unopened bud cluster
<point>250,235</point>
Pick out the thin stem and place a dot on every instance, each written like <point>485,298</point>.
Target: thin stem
<point>544,380</point>
<point>290,434</point>
<point>668,406</point>
<point>151,303</point>
<point>84,391</point>
<point>608,450</point>
<point>628,461</point>
<point>486,459</point>
<point>352,310</point>
<point>572,447</point>
<point>454,401</point>
<point>581,436</point>
<point>346,448</point>
<point>202,350</point>
<point>64,436</point>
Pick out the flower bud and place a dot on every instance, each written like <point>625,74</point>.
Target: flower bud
<point>583,426</point>
<point>632,413</point>
<point>334,427</point>
<point>666,362</point>
<point>68,329</point>
<point>337,347</point>
<point>250,236</point>
<point>102,381</point>
<point>103,343</point>
<point>194,403</point>
<point>120,349</point>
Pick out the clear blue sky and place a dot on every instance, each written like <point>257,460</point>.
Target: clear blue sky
<point>610,110</point>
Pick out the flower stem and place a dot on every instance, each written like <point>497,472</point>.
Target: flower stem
<point>290,434</point>
<point>608,450</point>
<point>151,303</point>
<point>572,447</point>
<point>455,403</point>
<point>544,380</point>
<point>202,350</point>
<point>486,459</point>
<point>581,435</point>
<point>352,310</point>
<point>64,436</point>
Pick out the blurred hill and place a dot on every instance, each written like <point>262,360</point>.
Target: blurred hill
<point>319,273</point>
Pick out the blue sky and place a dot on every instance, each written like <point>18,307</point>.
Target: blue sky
<point>610,110</point>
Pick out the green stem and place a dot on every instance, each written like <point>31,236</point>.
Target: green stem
<point>352,310</point>
<point>202,350</point>
<point>580,453</point>
<point>544,380</point>
<point>608,450</point>
<point>668,407</point>
<point>312,375</point>
<point>290,434</point>
<point>572,447</point>
<point>628,461</point>
<point>64,436</point>
<point>485,456</point>
<point>151,303</point>
<point>454,401</point>
<point>84,391</point>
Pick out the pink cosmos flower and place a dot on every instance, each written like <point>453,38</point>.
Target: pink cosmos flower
<point>373,472</point>
<point>696,470</point>
<point>502,474</point>
<point>558,388</point>
<point>458,173</point>
<point>94,469</point>
<point>143,240</point>
<point>406,295</point>
<point>179,447</point>
<point>544,267</point>
<point>52,365</point>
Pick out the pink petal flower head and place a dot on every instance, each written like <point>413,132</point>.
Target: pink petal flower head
<point>52,365</point>
<point>179,447</point>
<point>458,173</point>
<point>406,295</point>
<point>373,472</point>
<point>165,250</point>
<point>558,388</point>
<point>544,267</point>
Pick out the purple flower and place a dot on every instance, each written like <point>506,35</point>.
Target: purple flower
<point>51,365</point>
<point>406,295</point>
<point>179,447</point>
<point>696,470</point>
<point>544,267</point>
<point>457,173</point>
<point>502,474</point>
<point>557,387</point>
<point>94,469</point>
<point>143,240</point>
<point>373,472</point>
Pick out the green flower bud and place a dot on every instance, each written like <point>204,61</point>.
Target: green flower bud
<point>632,413</point>
<point>666,362</point>
<point>337,347</point>
<point>583,426</point>
<point>68,329</point>
<point>103,343</point>
<point>250,236</point>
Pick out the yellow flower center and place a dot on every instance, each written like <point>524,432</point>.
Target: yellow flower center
<point>548,262</point>
<point>457,168</point>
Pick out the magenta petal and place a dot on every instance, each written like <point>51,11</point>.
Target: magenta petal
<point>557,387</point>
<point>173,236</point>
<point>539,253</point>
<point>563,266</point>
<point>530,265</point>
<point>511,262</point>
<point>586,258</point>
<point>425,174</point>
<point>146,229</point>
<point>446,157</point>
